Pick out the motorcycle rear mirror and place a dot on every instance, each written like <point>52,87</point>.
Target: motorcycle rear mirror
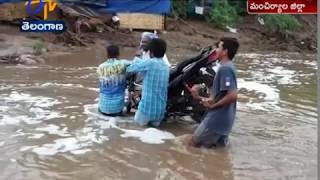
<point>206,49</point>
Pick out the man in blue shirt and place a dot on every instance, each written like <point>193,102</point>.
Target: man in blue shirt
<point>112,83</point>
<point>217,123</point>
<point>152,107</point>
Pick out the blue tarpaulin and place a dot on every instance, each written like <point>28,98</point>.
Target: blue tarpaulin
<point>10,1</point>
<point>142,6</point>
<point>96,4</point>
<point>110,6</point>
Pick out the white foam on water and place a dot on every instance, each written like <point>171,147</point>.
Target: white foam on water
<point>92,110</point>
<point>92,136</point>
<point>4,108</point>
<point>22,107</point>
<point>26,148</point>
<point>279,70</point>
<point>75,145</point>
<point>81,141</point>
<point>19,132</point>
<point>75,69</point>
<point>268,73</point>
<point>103,124</point>
<point>42,114</point>
<point>94,89</point>
<point>54,129</point>
<point>284,76</point>
<point>149,135</point>
<point>12,120</point>
<point>46,102</point>
<point>36,136</point>
<point>62,85</point>
<point>250,55</point>
<point>6,87</point>
<point>167,173</point>
<point>71,107</point>
<point>60,145</point>
<point>270,95</point>
<point>37,101</point>
<point>82,151</point>
<point>2,143</point>
<point>22,66</point>
<point>129,151</point>
<point>312,64</point>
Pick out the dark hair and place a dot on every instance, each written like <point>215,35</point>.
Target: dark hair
<point>157,47</point>
<point>113,51</point>
<point>231,44</point>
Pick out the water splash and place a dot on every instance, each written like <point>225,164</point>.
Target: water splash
<point>149,135</point>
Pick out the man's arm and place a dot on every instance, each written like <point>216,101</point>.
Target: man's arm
<point>194,90</point>
<point>138,65</point>
<point>227,83</point>
<point>229,98</point>
<point>126,62</point>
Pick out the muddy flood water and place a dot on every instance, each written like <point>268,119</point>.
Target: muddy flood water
<point>50,128</point>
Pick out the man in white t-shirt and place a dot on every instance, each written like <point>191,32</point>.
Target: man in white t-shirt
<point>143,48</point>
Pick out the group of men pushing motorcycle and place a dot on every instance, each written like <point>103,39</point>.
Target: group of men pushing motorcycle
<point>191,88</point>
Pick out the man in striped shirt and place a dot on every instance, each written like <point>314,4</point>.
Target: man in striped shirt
<point>112,83</point>
<point>152,107</point>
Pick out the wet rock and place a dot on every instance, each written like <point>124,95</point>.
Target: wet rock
<point>312,47</point>
<point>26,59</point>
<point>29,62</point>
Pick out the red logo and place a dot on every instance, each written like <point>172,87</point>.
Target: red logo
<point>282,6</point>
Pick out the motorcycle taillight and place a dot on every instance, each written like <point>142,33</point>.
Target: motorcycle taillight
<point>212,56</point>
<point>190,84</point>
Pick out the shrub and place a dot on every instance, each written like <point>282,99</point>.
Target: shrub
<point>240,6</point>
<point>222,14</point>
<point>179,8</point>
<point>281,22</point>
<point>39,47</point>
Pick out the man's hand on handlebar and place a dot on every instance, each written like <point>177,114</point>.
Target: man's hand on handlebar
<point>194,90</point>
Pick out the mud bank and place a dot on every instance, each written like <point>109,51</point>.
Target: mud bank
<point>183,37</point>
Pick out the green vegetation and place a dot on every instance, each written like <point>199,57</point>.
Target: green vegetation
<point>39,47</point>
<point>229,12</point>
<point>240,6</point>
<point>179,8</point>
<point>222,14</point>
<point>281,22</point>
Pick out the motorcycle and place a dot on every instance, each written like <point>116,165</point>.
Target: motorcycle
<point>195,70</point>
